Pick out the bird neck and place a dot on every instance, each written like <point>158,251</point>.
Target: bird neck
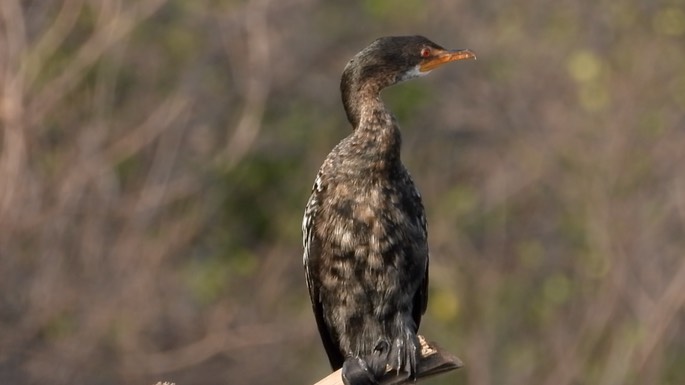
<point>356,97</point>
<point>376,135</point>
<point>361,89</point>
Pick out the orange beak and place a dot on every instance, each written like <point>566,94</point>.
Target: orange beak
<point>442,57</point>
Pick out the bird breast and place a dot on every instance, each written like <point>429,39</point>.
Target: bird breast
<point>373,238</point>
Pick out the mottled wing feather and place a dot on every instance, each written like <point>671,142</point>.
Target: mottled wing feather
<point>312,253</point>
<point>421,299</point>
<point>421,296</point>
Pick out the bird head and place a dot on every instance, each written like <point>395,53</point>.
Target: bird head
<point>392,59</point>
<point>387,61</point>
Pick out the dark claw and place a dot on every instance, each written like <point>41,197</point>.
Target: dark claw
<point>382,347</point>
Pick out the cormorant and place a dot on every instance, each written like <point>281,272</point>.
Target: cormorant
<point>364,228</point>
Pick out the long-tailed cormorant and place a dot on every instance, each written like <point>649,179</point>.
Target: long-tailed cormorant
<point>364,228</point>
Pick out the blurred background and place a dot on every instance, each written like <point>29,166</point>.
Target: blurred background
<point>156,157</point>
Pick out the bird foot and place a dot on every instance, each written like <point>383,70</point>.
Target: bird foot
<point>403,353</point>
<point>399,356</point>
<point>355,371</point>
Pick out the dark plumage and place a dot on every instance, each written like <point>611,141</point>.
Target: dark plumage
<point>364,229</point>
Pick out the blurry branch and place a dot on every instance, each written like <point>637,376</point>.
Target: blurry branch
<point>113,24</point>
<point>432,361</point>
<point>160,119</point>
<point>598,314</point>
<point>51,40</point>
<point>661,315</point>
<point>13,158</point>
<point>22,64</point>
<point>258,79</point>
<point>215,343</point>
<point>127,146</point>
<point>14,36</point>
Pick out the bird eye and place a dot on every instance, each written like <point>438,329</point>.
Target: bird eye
<point>425,52</point>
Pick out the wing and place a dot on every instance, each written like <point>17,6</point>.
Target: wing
<point>421,299</point>
<point>310,259</point>
<point>421,296</point>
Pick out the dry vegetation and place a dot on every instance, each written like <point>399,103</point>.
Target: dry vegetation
<point>156,156</point>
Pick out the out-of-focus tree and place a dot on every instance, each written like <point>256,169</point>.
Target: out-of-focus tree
<point>156,156</point>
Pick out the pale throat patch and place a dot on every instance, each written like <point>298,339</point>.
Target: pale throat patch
<point>415,72</point>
